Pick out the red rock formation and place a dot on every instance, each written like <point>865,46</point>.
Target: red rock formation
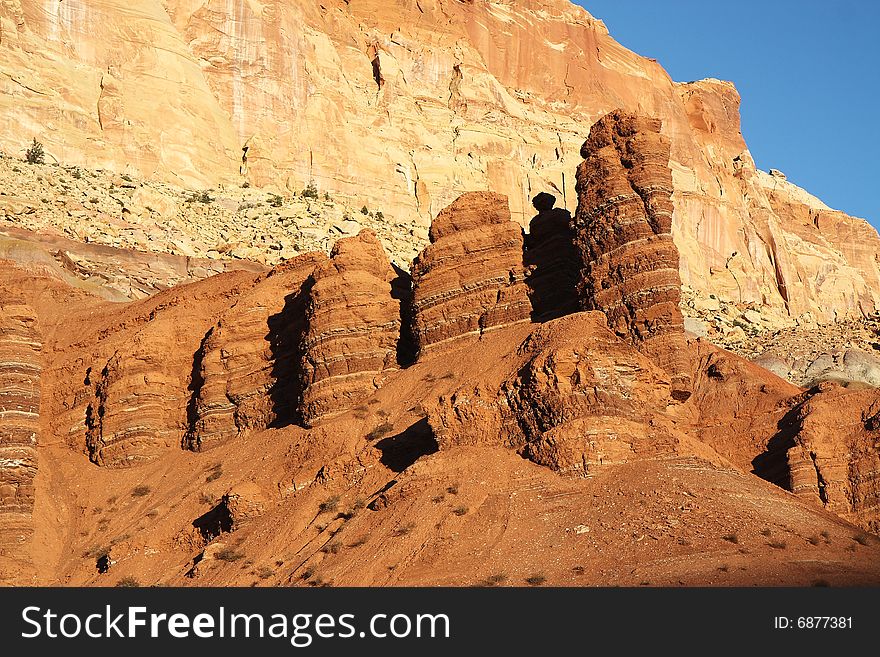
<point>469,280</point>
<point>353,328</point>
<point>122,388</point>
<point>20,368</point>
<point>828,451</point>
<point>248,371</point>
<point>572,396</point>
<point>623,231</point>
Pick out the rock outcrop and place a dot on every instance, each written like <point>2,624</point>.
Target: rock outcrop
<point>469,280</point>
<point>572,396</point>
<point>126,388</point>
<point>828,451</point>
<point>351,340</point>
<point>248,364</point>
<point>20,369</point>
<point>623,232</point>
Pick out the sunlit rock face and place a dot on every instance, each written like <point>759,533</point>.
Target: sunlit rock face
<point>427,100</point>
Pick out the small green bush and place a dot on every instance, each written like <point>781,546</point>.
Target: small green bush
<point>311,190</point>
<point>35,154</point>
<point>200,197</point>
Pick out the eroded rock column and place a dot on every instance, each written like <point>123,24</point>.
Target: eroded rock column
<point>353,327</point>
<point>469,279</point>
<point>623,232</point>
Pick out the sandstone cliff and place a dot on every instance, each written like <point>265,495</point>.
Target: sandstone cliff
<point>248,364</point>
<point>427,100</point>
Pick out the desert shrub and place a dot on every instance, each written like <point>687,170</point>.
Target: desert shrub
<point>128,582</point>
<point>97,552</point>
<point>214,476</point>
<point>140,491</point>
<point>200,197</point>
<point>453,490</point>
<point>814,540</point>
<point>206,498</point>
<point>765,532</point>
<point>329,504</point>
<point>381,431</point>
<point>35,154</point>
<point>379,214</point>
<point>331,548</point>
<point>264,572</point>
<point>403,530</point>
<point>275,200</point>
<point>536,580</point>
<point>778,545</point>
<point>229,554</point>
<point>495,580</point>
<point>731,537</point>
<point>460,510</point>
<point>311,190</point>
<point>365,210</point>
<point>861,539</point>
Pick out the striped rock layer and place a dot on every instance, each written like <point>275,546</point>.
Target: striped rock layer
<point>246,374</point>
<point>470,278</point>
<point>832,456</point>
<point>623,233</point>
<point>352,328</point>
<point>20,368</point>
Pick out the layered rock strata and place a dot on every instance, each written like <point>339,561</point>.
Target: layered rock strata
<point>247,376</point>
<point>831,443</point>
<point>570,396</point>
<point>20,369</point>
<point>470,279</point>
<point>128,398</point>
<point>352,328</point>
<point>427,99</point>
<point>623,233</point>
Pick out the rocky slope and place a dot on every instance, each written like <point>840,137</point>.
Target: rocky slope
<point>427,100</point>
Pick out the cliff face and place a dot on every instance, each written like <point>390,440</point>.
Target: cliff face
<point>427,99</point>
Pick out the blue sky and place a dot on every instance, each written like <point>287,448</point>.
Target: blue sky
<point>808,73</point>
